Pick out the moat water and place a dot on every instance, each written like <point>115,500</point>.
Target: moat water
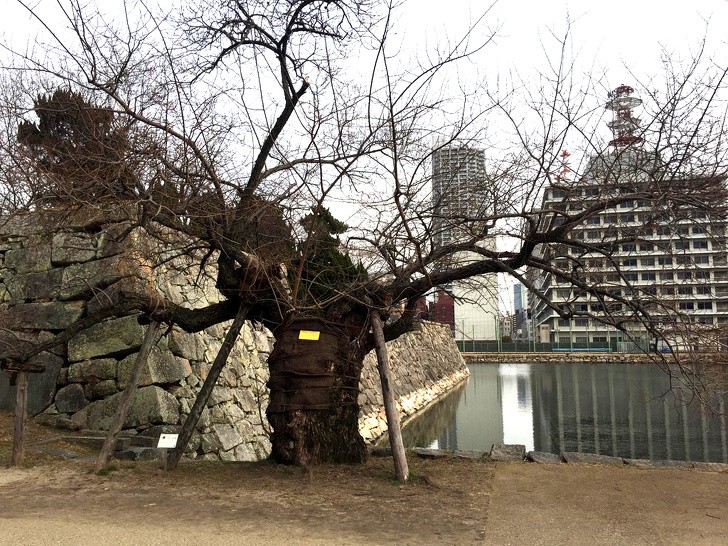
<point>624,410</point>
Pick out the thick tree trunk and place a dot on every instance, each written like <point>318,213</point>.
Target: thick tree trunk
<point>314,387</point>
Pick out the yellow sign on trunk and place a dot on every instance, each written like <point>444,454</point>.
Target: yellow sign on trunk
<point>311,335</point>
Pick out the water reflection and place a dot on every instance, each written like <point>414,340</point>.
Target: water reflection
<point>621,410</point>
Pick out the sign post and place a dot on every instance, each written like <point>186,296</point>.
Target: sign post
<point>165,443</point>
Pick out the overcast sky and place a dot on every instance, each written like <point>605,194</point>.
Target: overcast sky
<point>616,40</point>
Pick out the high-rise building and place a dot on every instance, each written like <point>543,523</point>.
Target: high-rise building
<point>461,195</point>
<point>671,261</point>
<point>521,311</point>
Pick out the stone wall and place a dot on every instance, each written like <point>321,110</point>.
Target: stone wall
<point>425,364</point>
<point>53,269</point>
<point>47,281</point>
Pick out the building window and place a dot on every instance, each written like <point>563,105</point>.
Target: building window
<point>701,260</point>
<point>664,260</point>
<point>700,244</point>
<point>593,221</point>
<point>684,275</point>
<point>626,205</point>
<point>593,234</point>
<point>647,247</point>
<point>630,262</point>
<point>705,305</point>
<point>558,194</point>
<point>591,192</point>
<point>629,247</point>
<point>685,290</point>
<point>681,245</point>
<point>648,276</point>
<point>698,230</point>
<point>626,218</point>
<point>630,277</point>
<point>582,322</point>
<point>563,322</point>
<point>667,276</point>
<point>686,305</point>
<point>701,274</point>
<point>647,261</point>
<point>703,290</point>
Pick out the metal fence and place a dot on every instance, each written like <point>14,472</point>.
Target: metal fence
<point>494,346</point>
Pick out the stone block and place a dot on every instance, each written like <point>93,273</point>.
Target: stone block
<point>189,346</point>
<point>82,280</point>
<point>209,443</point>
<point>96,370</point>
<point>139,454</point>
<point>72,248</point>
<point>107,338</point>
<point>80,418</point>
<point>507,452</point>
<point>36,256</point>
<point>246,453</point>
<point>102,389</point>
<point>162,367</point>
<point>151,406</point>
<point>219,395</point>
<point>226,436</point>
<point>543,457</point>
<point>54,315</point>
<point>575,457</point>
<point>45,285</point>
<point>245,399</point>
<point>41,386</point>
<point>71,398</point>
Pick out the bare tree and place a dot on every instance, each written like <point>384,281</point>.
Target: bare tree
<point>244,133</point>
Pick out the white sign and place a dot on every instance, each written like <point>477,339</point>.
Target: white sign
<point>167,441</point>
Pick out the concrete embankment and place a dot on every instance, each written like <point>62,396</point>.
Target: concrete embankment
<point>536,358</point>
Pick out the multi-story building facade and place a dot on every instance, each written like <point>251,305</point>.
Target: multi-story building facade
<point>521,313</point>
<point>670,263</point>
<point>460,194</point>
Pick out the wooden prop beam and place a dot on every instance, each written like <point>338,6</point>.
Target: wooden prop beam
<point>202,397</point>
<point>401,468</point>
<point>21,413</point>
<point>127,397</point>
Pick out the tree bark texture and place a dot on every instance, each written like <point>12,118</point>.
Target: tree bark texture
<point>314,389</point>
<point>126,398</point>
<point>21,413</point>
<point>390,404</point>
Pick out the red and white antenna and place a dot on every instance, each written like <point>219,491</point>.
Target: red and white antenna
<point>623,124</point>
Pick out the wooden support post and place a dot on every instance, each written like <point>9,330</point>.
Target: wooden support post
<point>127,397</point>
<point>21,413</point>
<point>190,423</point>
<point>401,468</point>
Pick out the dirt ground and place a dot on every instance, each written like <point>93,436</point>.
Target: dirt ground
<point>59,501</point>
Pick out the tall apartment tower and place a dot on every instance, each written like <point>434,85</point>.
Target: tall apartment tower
<point>675,260</point>
<point>461,194</point>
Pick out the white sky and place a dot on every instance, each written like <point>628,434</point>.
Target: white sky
<point>610,39</point>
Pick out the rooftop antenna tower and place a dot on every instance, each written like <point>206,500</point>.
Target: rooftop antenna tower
<point>623,124</point>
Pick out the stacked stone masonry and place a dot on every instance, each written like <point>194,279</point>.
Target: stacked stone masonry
<point>55,267</point>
